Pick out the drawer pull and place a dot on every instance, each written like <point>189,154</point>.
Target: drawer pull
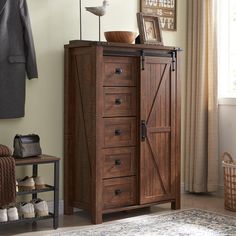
<point>118,192</point>
<point>118,132</point>
<point>118,71</point>
<point>118,162</point>
<point>118,101</point>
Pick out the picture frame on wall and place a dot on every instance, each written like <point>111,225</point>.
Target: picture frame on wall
<point>165,9</point>
<point>149,29</point>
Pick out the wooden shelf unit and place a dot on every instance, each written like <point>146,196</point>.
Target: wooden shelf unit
<point>35,161</point>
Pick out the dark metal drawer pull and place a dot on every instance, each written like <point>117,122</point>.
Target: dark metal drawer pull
<point>118,162</point>
<point>118,71</point>
<point>118,132</point>
<point>118,101</point>
<point>117,192</point>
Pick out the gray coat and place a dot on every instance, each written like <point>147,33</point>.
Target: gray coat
<point>17,57</point>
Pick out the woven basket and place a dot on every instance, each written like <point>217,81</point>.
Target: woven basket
<point>229,167</point>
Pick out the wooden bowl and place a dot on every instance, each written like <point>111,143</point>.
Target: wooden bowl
<point>120,36</point>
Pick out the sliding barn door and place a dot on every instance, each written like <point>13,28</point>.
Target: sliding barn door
<point>158,102</point>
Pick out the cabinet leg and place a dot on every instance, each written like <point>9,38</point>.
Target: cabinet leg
<point>97,219</point>
<point>56,194</point>
<point>55,222</point>
<point>175,205</point>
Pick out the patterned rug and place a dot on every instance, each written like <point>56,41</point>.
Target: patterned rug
<point>192,222</point>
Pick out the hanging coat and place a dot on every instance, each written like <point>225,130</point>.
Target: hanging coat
<point>17,57</point>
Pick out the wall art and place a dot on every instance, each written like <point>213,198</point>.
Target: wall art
<point>165,9</point>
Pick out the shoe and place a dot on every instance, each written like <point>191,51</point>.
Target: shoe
<point>26,184</point>
<point>41,207</point>
<point>26,210</point>
<point>3,215</point>
<point>12,214</point>
<point>39,182</point>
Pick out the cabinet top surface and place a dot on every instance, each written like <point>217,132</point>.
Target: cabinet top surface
<point>36,160</point>
<point>83,43</point>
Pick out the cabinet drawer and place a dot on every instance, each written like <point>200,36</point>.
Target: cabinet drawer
<point>120,71</point>
<point>118,162</point>
<point>119,102</point>
<point>119,132</point>
<point>119,192</point>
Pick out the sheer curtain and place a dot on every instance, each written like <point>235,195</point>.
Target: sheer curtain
<point>227,48</point>
<point>201,131</point>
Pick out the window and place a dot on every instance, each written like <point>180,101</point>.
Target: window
<point>227,48</point>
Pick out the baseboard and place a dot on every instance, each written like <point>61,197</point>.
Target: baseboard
<point>182,188</point>
<point>61,206</point>
<point>221,191</point>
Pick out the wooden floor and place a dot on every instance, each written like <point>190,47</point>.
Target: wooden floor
<point>207,202</point>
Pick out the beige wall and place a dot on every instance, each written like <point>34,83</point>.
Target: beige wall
<point>54,23</point>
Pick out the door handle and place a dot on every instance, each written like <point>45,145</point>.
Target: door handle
<point>143,130</point>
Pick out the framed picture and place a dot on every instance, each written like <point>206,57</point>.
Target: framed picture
<point>149,29</point>
<point>165,9</point>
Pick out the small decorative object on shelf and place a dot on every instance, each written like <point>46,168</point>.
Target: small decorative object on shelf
<point>99,11</point>
<point>149,29</point>
<point>36,209</point>
<point>30,183</point>
<point>166,10</point>
<point>120,36</point>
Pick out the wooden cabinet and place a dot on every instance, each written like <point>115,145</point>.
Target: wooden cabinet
<point>122,127</point>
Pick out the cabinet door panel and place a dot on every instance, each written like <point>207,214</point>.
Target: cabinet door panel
<point>157,161</point>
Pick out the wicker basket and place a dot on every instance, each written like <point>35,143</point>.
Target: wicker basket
<point>229,167</point>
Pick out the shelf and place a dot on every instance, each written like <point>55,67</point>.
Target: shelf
<point>43,159</point>
<point>30,220</point>
<point>47,189</point>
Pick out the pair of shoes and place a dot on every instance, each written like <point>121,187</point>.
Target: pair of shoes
<point>10,214</point>
<point>37,207</point>
<point>26,184</point>
<point>31,183</point>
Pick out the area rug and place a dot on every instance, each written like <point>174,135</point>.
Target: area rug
<point>192,222</point>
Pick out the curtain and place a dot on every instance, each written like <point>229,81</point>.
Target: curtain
<point>201,114</point>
